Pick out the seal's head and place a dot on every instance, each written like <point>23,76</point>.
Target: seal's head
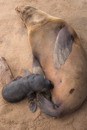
<point>30,15</point>
<point>39,83</point>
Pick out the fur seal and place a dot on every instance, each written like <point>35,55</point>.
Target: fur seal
<point>27,85</point>
<point>58,50</point>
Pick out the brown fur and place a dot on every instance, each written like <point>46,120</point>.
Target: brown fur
<point>70,80</point>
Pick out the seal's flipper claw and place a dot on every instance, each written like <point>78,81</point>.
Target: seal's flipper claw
<point>47,107</point>
<point>63,46</point>
<point>26,72</point>
<point>33,105</point>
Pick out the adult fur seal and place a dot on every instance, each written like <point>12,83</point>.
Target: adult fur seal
<point>57,49</point>
<point>27,85</point>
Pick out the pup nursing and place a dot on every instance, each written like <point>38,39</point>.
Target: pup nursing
<point>64,62</point>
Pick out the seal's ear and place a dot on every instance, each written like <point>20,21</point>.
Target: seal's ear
<point>63,47</point>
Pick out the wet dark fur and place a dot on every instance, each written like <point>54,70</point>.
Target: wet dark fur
<point>19,87</point>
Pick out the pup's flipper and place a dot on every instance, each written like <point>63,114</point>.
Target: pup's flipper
<point>32,101</point>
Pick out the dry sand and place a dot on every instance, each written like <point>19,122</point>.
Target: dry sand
<point>15,48</point>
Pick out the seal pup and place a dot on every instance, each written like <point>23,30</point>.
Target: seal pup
<point>27,85</point>
<point>58,51</point>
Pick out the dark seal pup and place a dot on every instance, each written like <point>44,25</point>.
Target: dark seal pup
<point>27,85</point>
<point>58,50</point>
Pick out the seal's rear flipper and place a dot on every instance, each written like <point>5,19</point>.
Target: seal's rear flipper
<point>32,101</point>
<point>47,107</point>
<point>63,47</point>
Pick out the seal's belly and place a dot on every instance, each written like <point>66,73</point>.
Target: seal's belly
<point>70,80</point>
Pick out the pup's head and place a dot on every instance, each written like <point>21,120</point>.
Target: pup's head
<point>39,83</point>
<point>30,15</point>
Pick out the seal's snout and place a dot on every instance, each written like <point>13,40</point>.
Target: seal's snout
<point>49,84</point>
<point>17,9</point>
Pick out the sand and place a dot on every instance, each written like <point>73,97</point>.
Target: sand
<point>14,46</point>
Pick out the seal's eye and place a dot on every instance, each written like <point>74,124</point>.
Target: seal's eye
<point>27,12</point>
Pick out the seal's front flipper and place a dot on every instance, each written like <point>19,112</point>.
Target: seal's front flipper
<point>26,72</point>
<point>32,101</point>
<point>37,69</point>
<point>63,47</point>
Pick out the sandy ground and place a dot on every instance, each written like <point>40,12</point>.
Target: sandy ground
<point>15,48</point>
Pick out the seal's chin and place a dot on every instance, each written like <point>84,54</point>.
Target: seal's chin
<point>48,107</point>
